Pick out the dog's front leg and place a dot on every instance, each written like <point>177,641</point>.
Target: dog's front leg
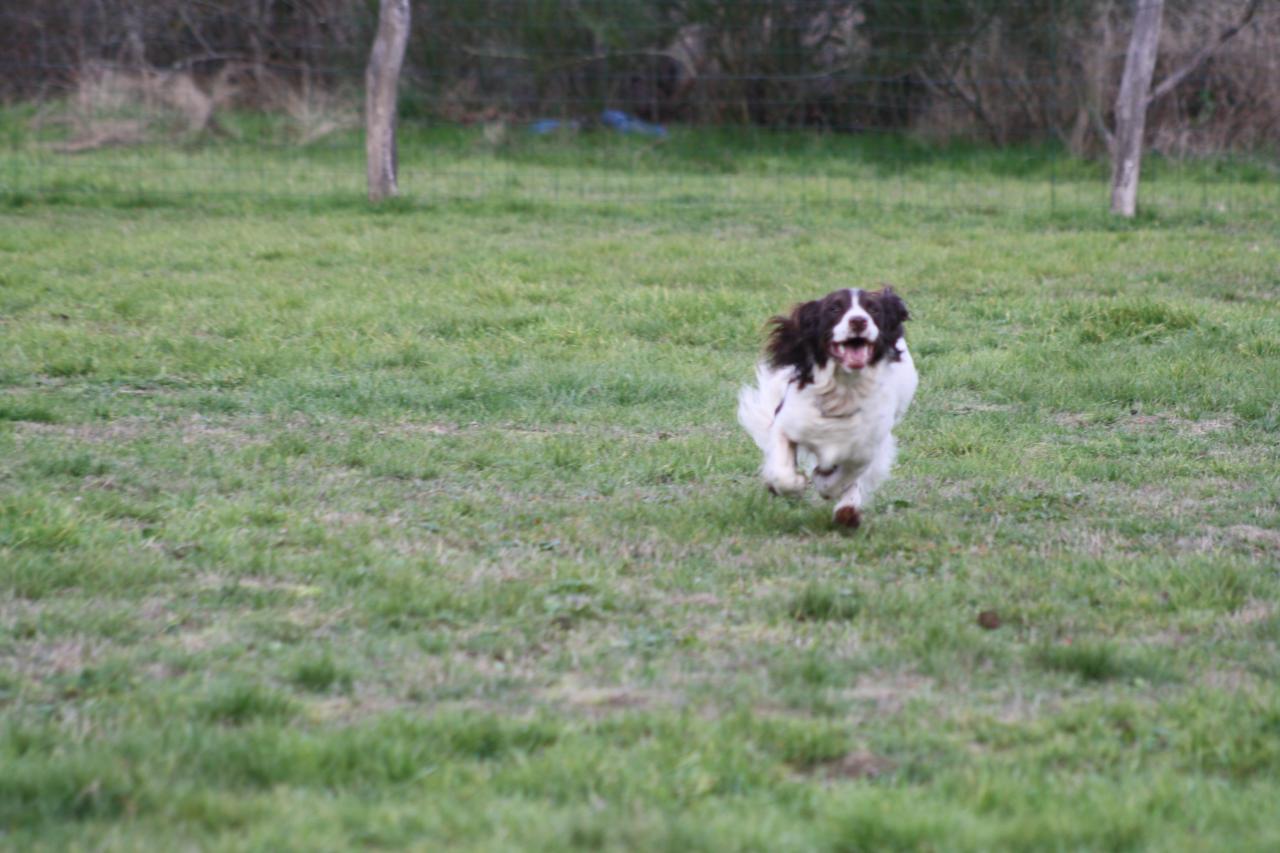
<point>864,482</point>
<point>848,511</point>
<point>780,475</point>
<point>832,482</point>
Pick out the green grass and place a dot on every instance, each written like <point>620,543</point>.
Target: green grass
<point>699,168</point>
<point>429,526</point>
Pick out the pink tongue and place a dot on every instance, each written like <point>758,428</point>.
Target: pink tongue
<point>855,358</point>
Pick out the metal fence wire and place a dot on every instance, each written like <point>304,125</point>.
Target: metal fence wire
<point>941,103</point>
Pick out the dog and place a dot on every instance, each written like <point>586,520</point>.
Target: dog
<point>836,380</point>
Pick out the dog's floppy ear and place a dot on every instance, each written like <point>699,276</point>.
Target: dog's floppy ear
<point>895,310</point>
<point>796,341</point>
<point>889,312</point>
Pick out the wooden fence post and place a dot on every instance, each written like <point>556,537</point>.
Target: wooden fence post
<point>381,79</point>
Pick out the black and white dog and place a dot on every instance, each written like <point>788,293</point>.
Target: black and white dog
<point>836,380</point>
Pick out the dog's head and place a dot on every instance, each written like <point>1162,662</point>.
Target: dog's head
<point>855,328</point>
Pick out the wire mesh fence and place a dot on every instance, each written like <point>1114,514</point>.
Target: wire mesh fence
<point>938,103</point>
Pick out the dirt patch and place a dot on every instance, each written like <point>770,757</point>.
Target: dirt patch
<point>112,432</point>
<point>1084,541</point>
<point>1232,680</point>
<point>42,659</point>
<point>1208,426</point>
<point>1141,422</point>
<point>1239,537</point>
<point>888,693</point>
<point>601,699</point>
<point>1183,425</point>
<point>203,639</point>
<point>189,431</point>
<point>1163,501</point>
<point>352,709</point>
<point>552,429</point>
<point>1259,536</point>
<point>861,764</point>
<point>252,582</point>
<point>417,428</point>
<point>1252,612</point>
<point>1073,420</point>
<point>358,518</point>
<point>694,599</point>
<point>1168,638</point>
<point>969,407</point>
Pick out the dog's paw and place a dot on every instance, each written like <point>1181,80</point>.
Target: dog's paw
<point>848,516</point>
<point>785,482</point>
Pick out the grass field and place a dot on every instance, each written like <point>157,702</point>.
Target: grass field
<point>698,168</point>
<point>430,526</point>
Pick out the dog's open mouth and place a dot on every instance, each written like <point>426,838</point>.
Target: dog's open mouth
<point>853,354</point>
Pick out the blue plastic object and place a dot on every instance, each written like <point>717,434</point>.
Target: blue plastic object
<point>624,123</point>
<point>615,120</point>
<point>543,126</point>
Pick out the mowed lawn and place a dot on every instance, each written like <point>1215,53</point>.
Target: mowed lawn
<point>323,527</point>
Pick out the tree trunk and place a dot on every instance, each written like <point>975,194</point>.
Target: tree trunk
<point>1131,106</point>
<point>380,82</point>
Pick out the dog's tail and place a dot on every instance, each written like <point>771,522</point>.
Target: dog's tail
<point>757,405</point>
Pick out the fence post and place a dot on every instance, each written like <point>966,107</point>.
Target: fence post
<point>380,82</point>
<point>1131,106</point>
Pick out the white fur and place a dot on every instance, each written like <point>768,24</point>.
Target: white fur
<point>843,420</point>
<point>844,329</point>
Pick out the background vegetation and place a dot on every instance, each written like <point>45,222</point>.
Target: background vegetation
<point>1004,73</point>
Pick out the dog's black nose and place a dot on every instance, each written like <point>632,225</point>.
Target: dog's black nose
<point>858,324</point>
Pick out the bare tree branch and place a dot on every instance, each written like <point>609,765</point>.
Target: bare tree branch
<point>950,85</point>
<point>1100,125</point>
<point>1171,82</point>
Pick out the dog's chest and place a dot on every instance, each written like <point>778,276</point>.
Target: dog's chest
<point>837,420</point>
<point>838,402</point>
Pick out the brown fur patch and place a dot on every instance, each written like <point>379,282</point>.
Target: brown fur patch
<point>849,517</point>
